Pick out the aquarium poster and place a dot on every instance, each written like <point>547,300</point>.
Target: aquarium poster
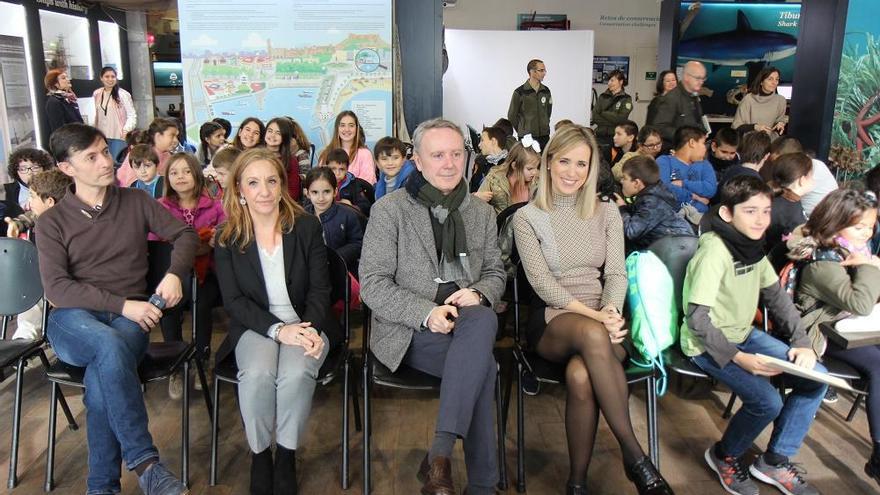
<point>856,127</point>
<point>735,41</point>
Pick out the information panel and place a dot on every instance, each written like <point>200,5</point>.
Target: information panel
<point>304,59</point>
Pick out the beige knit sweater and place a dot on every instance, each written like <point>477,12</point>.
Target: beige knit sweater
<point>567,258</point>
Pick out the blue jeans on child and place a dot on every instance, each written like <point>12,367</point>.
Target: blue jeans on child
<point>109,347</point>
<point>762,403</point>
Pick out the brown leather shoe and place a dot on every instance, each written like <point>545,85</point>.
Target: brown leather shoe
<point>436,476</point>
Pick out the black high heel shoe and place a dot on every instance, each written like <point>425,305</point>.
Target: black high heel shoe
<point>647,479</point>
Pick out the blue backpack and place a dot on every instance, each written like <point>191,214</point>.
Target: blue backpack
<point>654,320</point>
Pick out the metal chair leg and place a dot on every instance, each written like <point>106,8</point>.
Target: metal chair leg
<point>855,407</point>
<point>653,434</point>
<point>520,433</point>
<point>345,386</point>
<point>366,389</point>
<point>71,422</point>
<point>729,409</point>
<point>50,447</point>
<point>215,427</point>
<point>203,379</point>
<point>499,411</point>
<point>354,400</point>
<point>184,427</point>
<point>16,426</point>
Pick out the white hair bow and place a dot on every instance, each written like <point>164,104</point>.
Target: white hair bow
<point>529,142</point>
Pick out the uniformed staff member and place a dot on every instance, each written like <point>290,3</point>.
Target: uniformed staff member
<point>612,108</point>
<point>532,104</point>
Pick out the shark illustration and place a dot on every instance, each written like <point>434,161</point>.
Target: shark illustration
<point>739,47</point>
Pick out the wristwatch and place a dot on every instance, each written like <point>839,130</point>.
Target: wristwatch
<point>274,330</point>
<point>483,300</point>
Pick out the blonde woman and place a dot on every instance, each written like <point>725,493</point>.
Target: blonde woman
<point>571,246</point>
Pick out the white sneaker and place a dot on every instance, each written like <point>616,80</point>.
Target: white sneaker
<point>175,387</point>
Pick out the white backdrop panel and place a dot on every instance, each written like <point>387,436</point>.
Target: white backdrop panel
<point>486,66</point>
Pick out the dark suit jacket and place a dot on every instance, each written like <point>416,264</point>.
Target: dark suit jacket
<point>11,202</point>
<point>308,284</point>
<point>676,109</point>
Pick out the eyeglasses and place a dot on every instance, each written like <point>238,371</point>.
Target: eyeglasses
<point>653,145</point>
<point>698,78</point>
<point>30,170</point>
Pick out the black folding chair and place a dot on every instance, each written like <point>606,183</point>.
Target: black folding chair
<point>20,290</point>
<point>675,252</point>
<point>407,378</point>
<point>554,373</point>
<point>338,358</point>
<point>162,360</point>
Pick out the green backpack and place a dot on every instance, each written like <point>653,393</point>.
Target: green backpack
<point>654,315</point>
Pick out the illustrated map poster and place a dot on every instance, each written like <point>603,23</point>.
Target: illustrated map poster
<point>297,58</point>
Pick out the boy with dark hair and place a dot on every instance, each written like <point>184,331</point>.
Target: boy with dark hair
<point>493,151</point>
<point>686,172</point>
<point>754,150</point>
<point>394,168</point>
<point>47,189</point>
<point>723,150</point>
<point>653,213</point>
<point>351,190</point>
<point>93,265</point>
<point>724,282</point>
<point>144,161</point>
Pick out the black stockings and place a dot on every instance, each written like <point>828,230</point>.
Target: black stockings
<point>595,380</point>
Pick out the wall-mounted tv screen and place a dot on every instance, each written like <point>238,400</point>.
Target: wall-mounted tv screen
<point>167,74</point>
<point>735,41</point>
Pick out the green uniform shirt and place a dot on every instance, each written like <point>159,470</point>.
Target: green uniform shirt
<point>728,288</point>
<point>530,110</point>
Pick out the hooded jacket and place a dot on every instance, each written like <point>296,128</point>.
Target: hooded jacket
<point>652,216</point>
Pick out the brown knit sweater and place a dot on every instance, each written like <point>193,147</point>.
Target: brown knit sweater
<point>96,259</point>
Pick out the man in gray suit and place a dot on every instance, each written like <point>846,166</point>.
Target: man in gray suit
<point>430,271</point>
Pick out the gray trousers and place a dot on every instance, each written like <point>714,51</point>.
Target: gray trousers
<point>464,361</point>
<point>276,384</point>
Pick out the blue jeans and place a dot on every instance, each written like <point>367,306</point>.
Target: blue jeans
<point>115,146</point>
<point>762,403</point>
<point>109,347</point>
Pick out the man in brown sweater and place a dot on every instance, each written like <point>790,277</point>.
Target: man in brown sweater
<point>93,264</point>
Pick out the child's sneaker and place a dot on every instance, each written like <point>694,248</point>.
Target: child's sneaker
<point>788,477</point>
<point>830,396</point>
<point>733,477</point>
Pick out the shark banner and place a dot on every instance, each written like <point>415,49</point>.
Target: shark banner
<point>735,41</point>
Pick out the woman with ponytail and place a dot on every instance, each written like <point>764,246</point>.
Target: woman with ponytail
<point>790,176</point>
<point>115,115</point>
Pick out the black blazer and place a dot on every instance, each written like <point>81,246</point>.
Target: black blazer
<point>12,208</point>
<point>59,111</point>
<point>308,284</point>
